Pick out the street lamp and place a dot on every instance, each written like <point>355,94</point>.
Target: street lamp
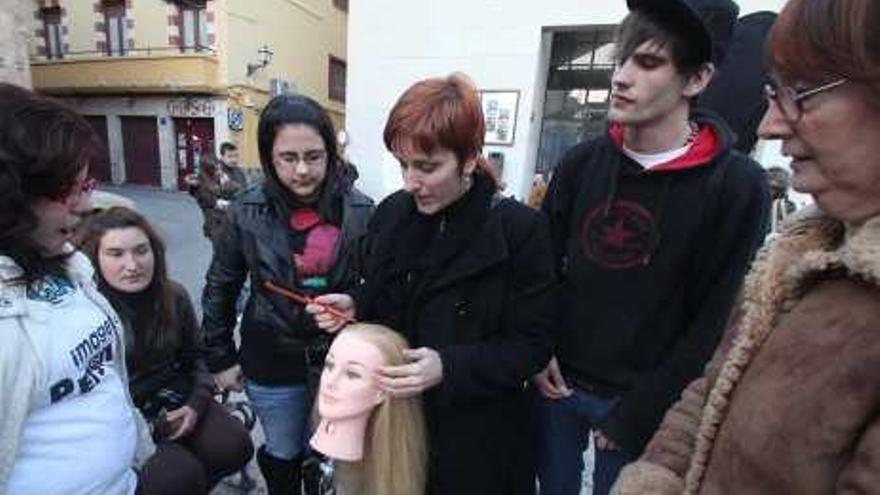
<point>265,56</point>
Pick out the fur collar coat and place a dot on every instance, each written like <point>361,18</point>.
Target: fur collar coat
<point>791,402</point>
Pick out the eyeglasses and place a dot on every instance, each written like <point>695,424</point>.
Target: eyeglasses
<point>310,158</point>
<point>790,100</point>
<point>76,191</point>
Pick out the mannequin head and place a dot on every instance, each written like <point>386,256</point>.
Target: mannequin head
<point>356,415</point>
<point>348,385</point>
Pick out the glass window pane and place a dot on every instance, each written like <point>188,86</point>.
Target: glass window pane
<point>115,30</point>
<point>578,86</point>
<point>54,33</point>
<point>187,37</point>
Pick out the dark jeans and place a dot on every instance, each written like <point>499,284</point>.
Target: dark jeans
<point>218,447</point>
<point>283,411</point>
<point>564,428</point>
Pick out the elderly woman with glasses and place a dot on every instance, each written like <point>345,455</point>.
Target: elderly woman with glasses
<point>791,403</point>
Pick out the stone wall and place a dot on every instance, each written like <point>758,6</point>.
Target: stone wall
<point>16,25</point>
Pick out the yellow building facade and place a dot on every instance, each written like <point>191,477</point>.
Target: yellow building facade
<point>165,82</point>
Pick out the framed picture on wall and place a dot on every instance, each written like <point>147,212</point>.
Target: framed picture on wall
<point>499,109</point>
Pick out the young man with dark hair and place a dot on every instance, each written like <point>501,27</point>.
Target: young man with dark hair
<point>217,184</point>
<point>653,226</point>
<point>229,169</point>
<point>226,146</point>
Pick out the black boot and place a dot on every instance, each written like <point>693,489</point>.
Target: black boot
<point>311,474</point>
<point>282,477</point>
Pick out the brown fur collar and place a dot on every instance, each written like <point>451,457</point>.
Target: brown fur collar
<point>811,245</point>
<point>646,478</point>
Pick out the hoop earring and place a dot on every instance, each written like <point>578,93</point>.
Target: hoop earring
<point>468,180</point>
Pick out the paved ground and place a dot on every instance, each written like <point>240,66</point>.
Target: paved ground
<point>178,220</point>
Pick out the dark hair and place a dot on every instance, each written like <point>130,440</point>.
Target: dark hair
<point>44,145</point>
<point>227,146</point>
<point>120,217</point>
<point>440,112</point>
<point>820,40</point>
<point>637,28</point>
<point>290,109</point>
<point>208,166</point>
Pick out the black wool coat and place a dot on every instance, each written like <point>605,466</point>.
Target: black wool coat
<point>473,282</point>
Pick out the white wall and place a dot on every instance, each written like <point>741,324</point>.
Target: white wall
<point>394,43</point>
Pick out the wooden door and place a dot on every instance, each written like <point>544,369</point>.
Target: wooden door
<point>195,140</point>
<point>140,142</point>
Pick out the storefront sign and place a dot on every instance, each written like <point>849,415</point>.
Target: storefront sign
<point>191,107</point>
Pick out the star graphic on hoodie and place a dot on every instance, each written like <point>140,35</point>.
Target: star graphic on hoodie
<point>617,235</point>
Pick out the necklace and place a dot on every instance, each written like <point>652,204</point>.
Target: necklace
<point>692,131</point>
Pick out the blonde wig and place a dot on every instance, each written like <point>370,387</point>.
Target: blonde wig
<point>395,451</point>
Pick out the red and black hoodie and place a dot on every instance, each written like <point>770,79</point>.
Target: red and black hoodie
<point>650,261</point>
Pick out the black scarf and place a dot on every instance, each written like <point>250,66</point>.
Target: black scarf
<point>429,242</point>
<point>139,312</point>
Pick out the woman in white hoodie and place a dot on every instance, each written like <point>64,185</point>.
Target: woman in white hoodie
<point>67,423</point>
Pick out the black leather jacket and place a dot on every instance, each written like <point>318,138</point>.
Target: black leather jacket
<point>274,331</point>
<point>169,375</point>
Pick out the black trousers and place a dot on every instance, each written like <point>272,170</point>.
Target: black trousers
<point>218,447</point>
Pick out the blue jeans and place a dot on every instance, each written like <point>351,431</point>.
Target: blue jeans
<point>564,427</point>
<point>283,411</point>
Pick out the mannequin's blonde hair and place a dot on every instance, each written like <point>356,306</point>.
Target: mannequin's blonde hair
<point>395,452</point>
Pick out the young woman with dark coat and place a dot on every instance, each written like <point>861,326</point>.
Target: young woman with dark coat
<point>199,443</point>
<point>466,276</point>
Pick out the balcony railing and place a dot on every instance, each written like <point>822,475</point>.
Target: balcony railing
<point>147,51</point>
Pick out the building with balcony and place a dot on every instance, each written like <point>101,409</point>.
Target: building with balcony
<point>165,82</point>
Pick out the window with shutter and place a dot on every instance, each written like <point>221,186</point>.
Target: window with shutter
<point>52,31</point>
<point>336,79</point>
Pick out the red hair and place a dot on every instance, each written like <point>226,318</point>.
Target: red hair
<point>439,113</point>
<point>819,40</point>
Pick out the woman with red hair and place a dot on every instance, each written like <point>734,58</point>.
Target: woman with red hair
<point>466,276</point>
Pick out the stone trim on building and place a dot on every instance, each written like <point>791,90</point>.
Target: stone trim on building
<point>173,13</point>
<point>100,33</point>
<point>210,15</point>
<point>16,29</point>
